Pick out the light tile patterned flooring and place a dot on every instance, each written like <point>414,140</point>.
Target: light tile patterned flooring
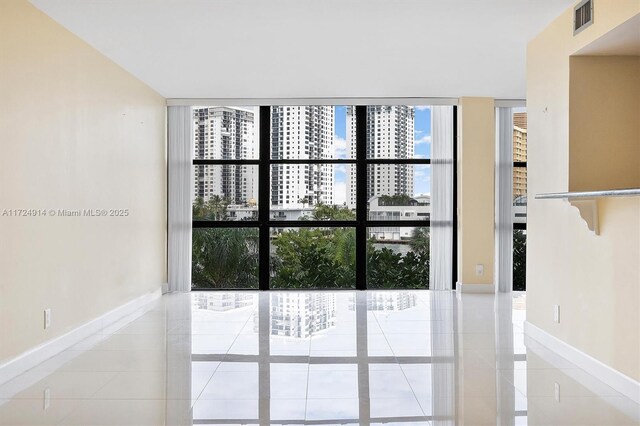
<point>320,358</point>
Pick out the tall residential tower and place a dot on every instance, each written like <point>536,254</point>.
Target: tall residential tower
<point>306,133</point>
<point>228,134</point>
<point>390,135</point>
<point>519,154</point>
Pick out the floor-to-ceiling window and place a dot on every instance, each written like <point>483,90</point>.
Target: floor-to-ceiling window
<point>226,243</point>
<point>519,198</point>
<point>314,196</point>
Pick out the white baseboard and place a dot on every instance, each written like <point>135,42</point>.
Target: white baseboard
<point>611,377</point>
<point>31,358</point>
<point>476,288</point>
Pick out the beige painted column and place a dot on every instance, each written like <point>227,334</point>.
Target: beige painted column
<point>476,218</point>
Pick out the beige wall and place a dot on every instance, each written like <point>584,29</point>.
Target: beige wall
<point>77,132</point>
<point>476,218</point>
<point>594,279</point>
<point>604,122</point>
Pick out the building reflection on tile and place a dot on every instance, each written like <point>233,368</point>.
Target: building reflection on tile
<point>375,357</point>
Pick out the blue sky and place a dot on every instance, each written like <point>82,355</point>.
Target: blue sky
<point>422,137</point>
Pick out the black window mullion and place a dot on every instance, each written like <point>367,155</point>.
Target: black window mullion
<point>454,243</point>
<point>361,197</point>
<point>312,223</point>
<point>312,161</point>
<point>264,195</point>
<point>402,223</point>
<point>385,161</point>
<point>220,162</point>
<point>225,224</point>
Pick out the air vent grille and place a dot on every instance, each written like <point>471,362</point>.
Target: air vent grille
<point>582,16</point>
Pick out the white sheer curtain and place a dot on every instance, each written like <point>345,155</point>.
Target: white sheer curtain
<point>443,357</point>
<point>440,272</point>
<point>178,366</point>
<point>180,131</point>
<point>505,360</point>
<point>504,199</point>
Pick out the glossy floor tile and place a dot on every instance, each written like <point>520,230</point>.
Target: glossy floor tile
<point>319,358</point>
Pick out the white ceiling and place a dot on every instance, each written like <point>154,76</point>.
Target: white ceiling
<point>314,48</point>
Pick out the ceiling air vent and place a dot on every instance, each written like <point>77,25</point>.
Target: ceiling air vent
<point>582,16</point>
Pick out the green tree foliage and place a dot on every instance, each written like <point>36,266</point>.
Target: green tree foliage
<point>519,260</point>
<point>420,241</point>
<point>314,258</point>
<point>387,269</point>
<point>304,201</point>
<point>327,212</point>
<point>302,258</point>
<point>225,258</point>
<point>214,209</point>
<point>396,200</point>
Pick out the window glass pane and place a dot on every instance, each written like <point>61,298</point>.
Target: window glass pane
<point>397,131</point>
<point>225,133</point>
<point>519,195</point>
<point>519,260</point>
<point>519,198</point>
<point>398,257</point>
<point>312,191</point>
<point>398,192</point>
<point>225,258</point>
<point>520,135</point>
<point>312,132</point>
<point>313,258</point>
<point>225,192</point>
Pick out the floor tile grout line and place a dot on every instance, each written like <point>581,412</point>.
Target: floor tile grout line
<point>226,353</point>
<point>399,365</point>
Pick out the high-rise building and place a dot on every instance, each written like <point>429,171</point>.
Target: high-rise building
<point>222,301</point>
<point>302,132</point>
<point>390,135</point>
<point>519,153</point>
<point>228,134</point>
<point>383,301</point>
<point>294,315</point>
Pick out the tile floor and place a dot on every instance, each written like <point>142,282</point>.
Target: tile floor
<point>318,358</point>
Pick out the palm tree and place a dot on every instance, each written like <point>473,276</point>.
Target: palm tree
<point>420,241</point>
<point>225,258</point>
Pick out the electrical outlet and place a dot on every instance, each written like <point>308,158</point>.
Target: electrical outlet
<point>46,398</point>
<point>47,318</point>
<point>557,392</point>
<point>479,270</point>
<point>556,313</point>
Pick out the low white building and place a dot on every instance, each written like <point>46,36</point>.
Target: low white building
<point>387,208</point>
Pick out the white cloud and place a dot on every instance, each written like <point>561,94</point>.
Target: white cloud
<point>425,139</point>
<point>339,147</point>
<point>339,193</point>
<point>340,168</point>
<point>420,156</point>
<point>422,107</point>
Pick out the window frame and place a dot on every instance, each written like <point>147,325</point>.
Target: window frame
<point>265,223</point>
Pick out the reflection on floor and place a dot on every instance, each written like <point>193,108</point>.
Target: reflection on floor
<point>385,357</point>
